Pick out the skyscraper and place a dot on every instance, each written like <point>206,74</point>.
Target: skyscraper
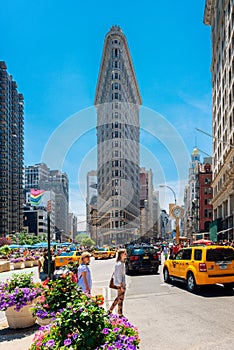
<point>117,102</point>
<point>11,154</point>
<point>191,196</point>
<point>39,176</point>
<point>219,14</point>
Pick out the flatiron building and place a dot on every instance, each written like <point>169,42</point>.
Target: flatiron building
<point>117,103</point>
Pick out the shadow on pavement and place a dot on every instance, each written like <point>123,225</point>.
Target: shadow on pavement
<point>8,334</point>
<point>212,291</point>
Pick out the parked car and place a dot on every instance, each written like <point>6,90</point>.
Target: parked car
<point>104,253</point>
<point>201,265</point>
<point>158,250</point>
<point>65,258</point>
<point>143,258</point>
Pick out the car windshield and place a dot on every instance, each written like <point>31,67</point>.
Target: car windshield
<point>220,254</point>
<point>102,249</point>
<point>143,250</point>
<point>66,254</point>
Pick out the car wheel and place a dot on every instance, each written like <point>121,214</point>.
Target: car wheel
<point>166,275</point>
<point>229,286</point>
<point>191,283</point>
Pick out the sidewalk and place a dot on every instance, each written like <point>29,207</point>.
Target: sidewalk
<point>21,339</point>
<point>16,339</point>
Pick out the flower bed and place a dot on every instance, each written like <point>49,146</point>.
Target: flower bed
<point>35,261</point>
<point>28,263</point>
<point>5,266</point>
<point>18,291</point>
<point>79,322</point>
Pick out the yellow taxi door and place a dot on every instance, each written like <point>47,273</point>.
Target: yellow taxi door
<point>184,263</point>
<point>175,264</point>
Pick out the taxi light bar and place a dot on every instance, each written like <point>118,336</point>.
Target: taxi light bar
<point>202,267</point>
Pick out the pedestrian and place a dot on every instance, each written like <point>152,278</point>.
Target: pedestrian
<point>165,251</point>
<point>43,263</point>
<point>119,281</point>
<point>84,275</point>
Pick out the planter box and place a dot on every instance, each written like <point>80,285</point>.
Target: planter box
<point>28,263</point>
<point>18,265</point>
<point>20,319</point>
<point>5,266</point>
<point>44,321</point>
<point>35,262</point>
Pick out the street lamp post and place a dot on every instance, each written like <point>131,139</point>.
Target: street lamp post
<point>176,217</point>
<point>171,191</point>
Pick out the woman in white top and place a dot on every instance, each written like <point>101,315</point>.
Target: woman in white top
<point>119,281</point>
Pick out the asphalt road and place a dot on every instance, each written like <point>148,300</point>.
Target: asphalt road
<point>168,317</point>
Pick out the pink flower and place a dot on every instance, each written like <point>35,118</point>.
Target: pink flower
<point>42,299</point>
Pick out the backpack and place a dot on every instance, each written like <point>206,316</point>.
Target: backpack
<point>45,266</point>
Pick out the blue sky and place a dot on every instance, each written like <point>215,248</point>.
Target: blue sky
<point>53,50</point>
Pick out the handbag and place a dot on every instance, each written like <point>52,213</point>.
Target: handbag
<point>111,284</point>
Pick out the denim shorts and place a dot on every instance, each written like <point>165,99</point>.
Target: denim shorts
<point>43,276</point>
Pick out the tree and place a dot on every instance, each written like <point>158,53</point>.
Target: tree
<point>80,237</point>
<point>88,242</point>
<point>25,238</point>
<point>5,241</point>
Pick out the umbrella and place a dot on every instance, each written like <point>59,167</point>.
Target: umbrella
<point>27,246</point>
<point>14,246</point>
<point>43,244</point>
<point>40,245</point>
<point>203,242</point>
<point>65,244</point>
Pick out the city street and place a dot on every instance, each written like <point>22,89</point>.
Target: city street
<point>168,316</point>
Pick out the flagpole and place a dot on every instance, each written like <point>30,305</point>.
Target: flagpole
<point>48,241</point>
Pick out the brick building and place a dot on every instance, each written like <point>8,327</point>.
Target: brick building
<point>205,196</point>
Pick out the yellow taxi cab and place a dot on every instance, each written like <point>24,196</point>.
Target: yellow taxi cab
<point>65,258</point>
<point>104,253</point>
<point>201,265</point>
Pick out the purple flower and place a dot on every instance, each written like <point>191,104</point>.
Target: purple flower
<point>75,335</point>
<point>105,331</point>
<point>50,343</point>
<point>115,330</point>
<point>67,342</point>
